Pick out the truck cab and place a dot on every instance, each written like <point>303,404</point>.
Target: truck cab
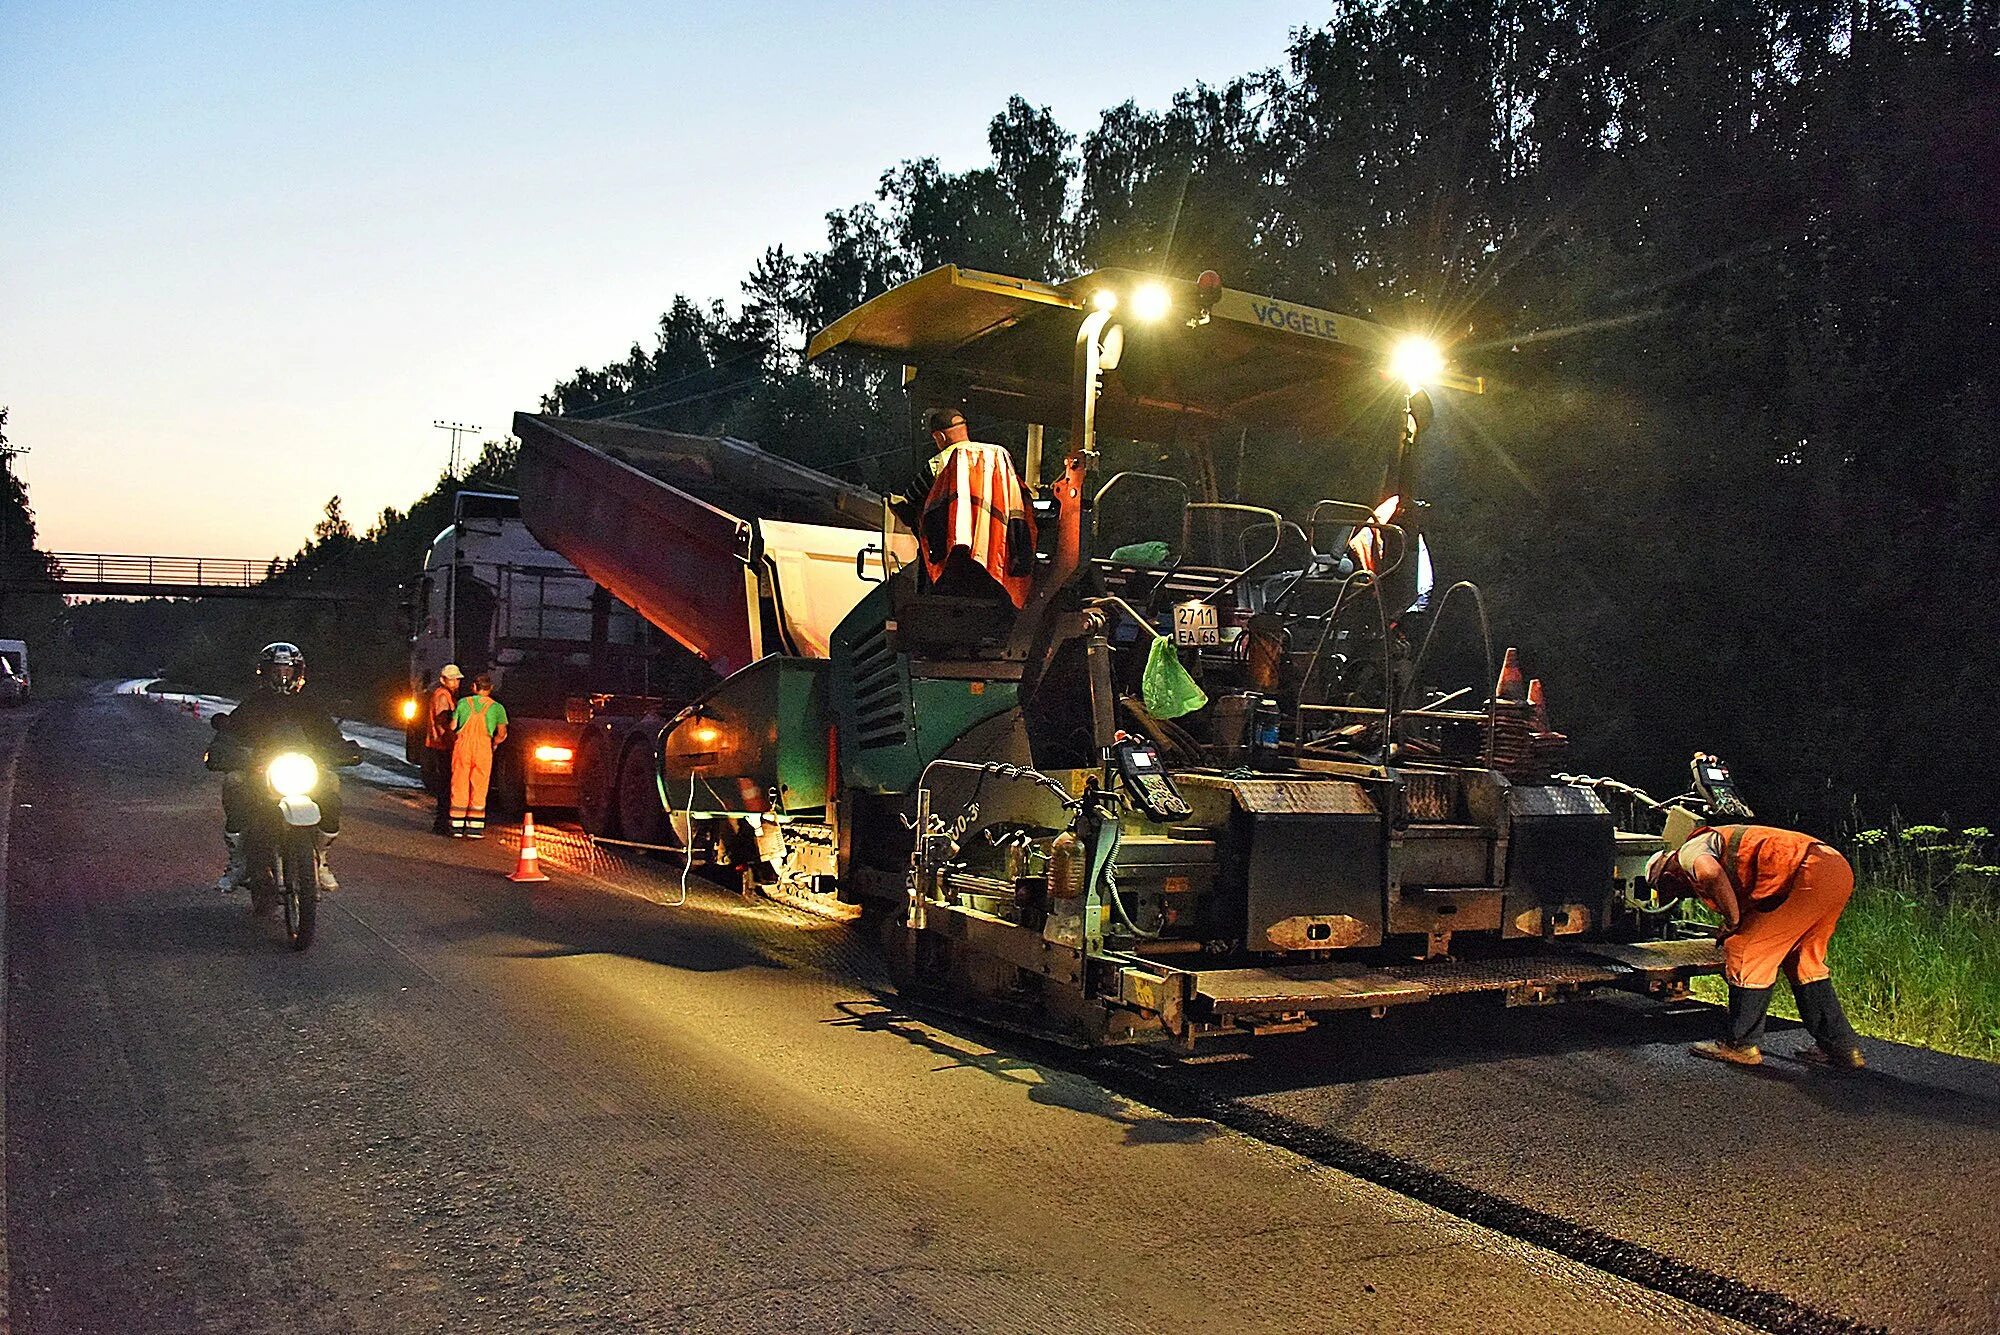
<point>492,599</point>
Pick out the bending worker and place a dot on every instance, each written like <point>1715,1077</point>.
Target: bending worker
<point>1780,893</point>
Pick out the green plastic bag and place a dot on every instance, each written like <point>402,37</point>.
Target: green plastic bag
<point>1141,554</point>
<point>1167,688</point>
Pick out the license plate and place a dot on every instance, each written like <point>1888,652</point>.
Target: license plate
<point>1195,625</point>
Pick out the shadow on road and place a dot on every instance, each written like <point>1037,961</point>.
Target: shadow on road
<point>1045,1085</point>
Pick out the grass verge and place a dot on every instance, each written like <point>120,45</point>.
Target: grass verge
<point>1913,967</point>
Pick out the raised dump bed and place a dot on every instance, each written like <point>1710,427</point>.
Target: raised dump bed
<point>731,550</point>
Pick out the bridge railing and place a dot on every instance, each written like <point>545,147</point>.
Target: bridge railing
<point>207,572</point>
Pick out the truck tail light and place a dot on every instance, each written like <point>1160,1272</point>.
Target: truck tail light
<point>554,756</point>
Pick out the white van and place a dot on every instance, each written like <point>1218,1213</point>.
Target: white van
<point>13,672</point>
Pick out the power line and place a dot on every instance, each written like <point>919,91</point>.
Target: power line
<point>458,430</point>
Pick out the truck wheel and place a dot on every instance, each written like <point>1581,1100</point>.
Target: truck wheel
<point>508,795</point>
<point>640,814</point>
<point>596,807</point>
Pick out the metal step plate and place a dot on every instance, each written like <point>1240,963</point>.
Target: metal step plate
<point>1661,959</point>
<point>1443,978</point>
<point>1333,987</point>
<point>1302,987</point>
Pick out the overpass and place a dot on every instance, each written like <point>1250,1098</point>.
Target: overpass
<point>111,574</point>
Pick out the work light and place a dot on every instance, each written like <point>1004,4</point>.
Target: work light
<point>1150,302</point>
<point>1416,361</point>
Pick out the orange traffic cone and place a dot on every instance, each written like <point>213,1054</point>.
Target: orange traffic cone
<point>1511,686</point>
<point>1538,705</point>
<point>529,868</point>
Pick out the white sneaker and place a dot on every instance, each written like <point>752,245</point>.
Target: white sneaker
<point>327,885</point>
<point>238,871</point>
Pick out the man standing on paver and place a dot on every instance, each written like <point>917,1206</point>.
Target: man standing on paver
<point>1780,893</point>
<point>437,743</point>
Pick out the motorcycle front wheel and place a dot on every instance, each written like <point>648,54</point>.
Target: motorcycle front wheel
<point>301,882</point>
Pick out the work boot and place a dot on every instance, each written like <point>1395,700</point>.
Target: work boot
<point>1720,1050</point>
<point>1747,1008</point>
<point>238,871</point>
<point>1837,1045</point>
<point>327,885</point>
<point>1838,1059</point>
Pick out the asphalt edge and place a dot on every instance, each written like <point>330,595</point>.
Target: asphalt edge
<point>7,772</point>
<point>1641,1265</point>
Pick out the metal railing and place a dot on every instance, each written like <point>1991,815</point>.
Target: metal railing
<point>214,572</point>
<point>113,573</point>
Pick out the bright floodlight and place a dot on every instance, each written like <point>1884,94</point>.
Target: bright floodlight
<point>1151,301</point>
<point>1416,362</point>
<point>292,775</point>
<point>1105,299</point>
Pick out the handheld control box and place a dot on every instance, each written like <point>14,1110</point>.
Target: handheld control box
<point>1713,784</point>
<point>1145,779</point>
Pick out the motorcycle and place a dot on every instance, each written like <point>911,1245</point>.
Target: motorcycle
<point>281,839</point>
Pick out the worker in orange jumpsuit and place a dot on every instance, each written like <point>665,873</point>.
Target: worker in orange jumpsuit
<point>480,725</point>
<point>1780,894</point>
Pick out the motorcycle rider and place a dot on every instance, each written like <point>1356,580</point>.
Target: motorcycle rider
<point>274,706</point>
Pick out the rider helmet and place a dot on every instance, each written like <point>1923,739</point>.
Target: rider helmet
<point>281,668</point>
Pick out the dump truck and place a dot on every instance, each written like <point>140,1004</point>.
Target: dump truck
<point>745,562</point>
<point>491,599</point>
<point>1143,762</point>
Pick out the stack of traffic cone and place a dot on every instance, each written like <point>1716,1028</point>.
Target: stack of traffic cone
<point>1523,746</point>
<point>529,868</point>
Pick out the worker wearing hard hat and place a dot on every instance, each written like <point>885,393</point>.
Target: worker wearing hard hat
<point>1780,894</point>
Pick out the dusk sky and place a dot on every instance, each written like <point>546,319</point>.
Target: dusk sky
<point>249,252</point>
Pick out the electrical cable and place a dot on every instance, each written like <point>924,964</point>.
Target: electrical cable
<point>687,843</point>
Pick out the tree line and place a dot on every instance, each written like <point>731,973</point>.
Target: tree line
<point>1729,268</point>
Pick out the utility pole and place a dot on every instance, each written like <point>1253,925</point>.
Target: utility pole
<point>458,430</point>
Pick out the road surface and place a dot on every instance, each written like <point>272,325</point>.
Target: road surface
<point>481,1106</point>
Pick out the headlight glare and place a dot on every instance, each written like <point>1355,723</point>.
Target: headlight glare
<point>1416,361</point>
<point>1151,302</point>
<point>292,774</point>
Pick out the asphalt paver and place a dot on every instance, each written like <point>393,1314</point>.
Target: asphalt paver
<point>475,1105</point>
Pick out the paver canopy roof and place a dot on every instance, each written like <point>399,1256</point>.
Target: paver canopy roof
<point>1006,345</point>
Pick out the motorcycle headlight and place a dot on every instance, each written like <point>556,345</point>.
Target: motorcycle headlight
<point>292,774</point>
